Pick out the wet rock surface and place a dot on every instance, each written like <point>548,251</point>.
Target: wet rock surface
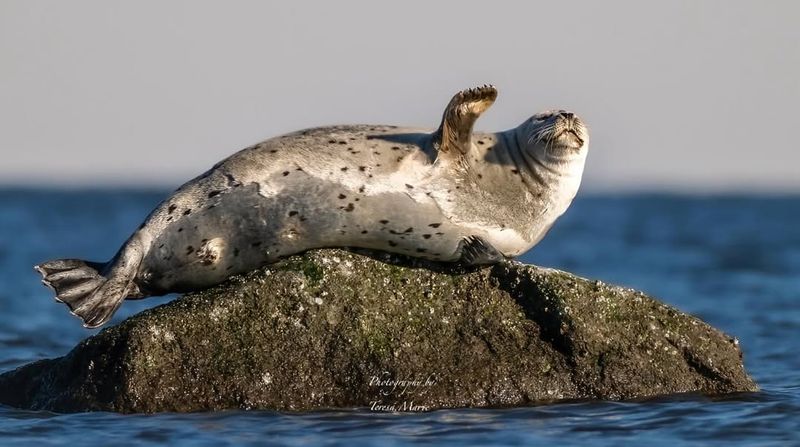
<point>332,328</point>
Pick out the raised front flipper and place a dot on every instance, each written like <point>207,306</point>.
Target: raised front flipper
<point>453,138</point>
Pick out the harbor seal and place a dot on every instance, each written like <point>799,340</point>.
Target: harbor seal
<point>450,195</point>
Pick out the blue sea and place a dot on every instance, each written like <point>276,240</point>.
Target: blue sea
<point>734,261</point>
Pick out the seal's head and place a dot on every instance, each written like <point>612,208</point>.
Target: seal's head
<point>555,135</point>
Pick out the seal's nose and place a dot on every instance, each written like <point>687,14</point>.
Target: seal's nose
<point>567,115</point>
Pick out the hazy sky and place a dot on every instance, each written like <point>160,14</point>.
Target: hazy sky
<point>688,95</point>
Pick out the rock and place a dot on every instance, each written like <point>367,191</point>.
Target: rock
<point>337,329</point>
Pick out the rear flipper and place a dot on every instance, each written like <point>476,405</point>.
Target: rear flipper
<point>92,291</point>
<point>477,251</point>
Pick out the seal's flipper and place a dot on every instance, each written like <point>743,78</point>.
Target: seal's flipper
<point>92,291</point>
<point>477,251</point>
<point>453,138</point>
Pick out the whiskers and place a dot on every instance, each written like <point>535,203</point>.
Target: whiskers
<point>547,135</point>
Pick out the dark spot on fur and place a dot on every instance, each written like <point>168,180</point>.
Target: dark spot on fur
<point>399,159</point>
<point>369,175</point>
<point>204,241</point>
<point>213,194</point>
<point>292,213</point>
<point>299,169</point>
<point>515,171</point>
<point>362,168</point>
<point>392,244</point>
<point>426,236</point>
<point>480,142</point>
<point>489,148</point>
<point>364,232</point>
<point>435,225</point>
<point>256,244</point>
<point>161,246</point>
<point>169,219</point>
<point>395,148</point>
<point>285,173</point>
<point>171,209</point>
<point>187,212</point>
<point>273,151</point>
<point>180,229</point>
<point>421,250</point>
<point>384,221</point>
<point>332,141</point>
<point>349,207</point>
<point>376,153</point>
<point>361,189</point>
<point>439,233</point>
<point>189,250</point>
<point>228,267</point>
<point>378,165</point>
<point>480,176</point>
<point>409,230</point>
<point>409,186</point>
<point>344,168</point>
<point>342,196</point>
<point>343,142</point>
<point>235,252</point>
<point>357,199</point>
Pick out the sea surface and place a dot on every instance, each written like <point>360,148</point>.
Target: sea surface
<point>734,261</point>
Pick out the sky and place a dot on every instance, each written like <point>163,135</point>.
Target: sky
<point>687,96</point>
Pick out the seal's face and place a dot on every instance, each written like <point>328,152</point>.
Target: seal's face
<point>557,134</point>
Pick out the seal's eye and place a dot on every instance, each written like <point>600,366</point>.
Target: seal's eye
<point>543,117</point>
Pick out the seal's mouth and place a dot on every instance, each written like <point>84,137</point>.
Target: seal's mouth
<point>559,130</point>
<point>569,138</point>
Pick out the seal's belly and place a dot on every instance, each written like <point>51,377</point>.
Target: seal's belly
<point>253,225</point>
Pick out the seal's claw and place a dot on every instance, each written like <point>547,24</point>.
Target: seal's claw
<point>477,251</point>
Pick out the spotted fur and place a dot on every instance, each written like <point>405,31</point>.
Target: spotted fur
<point>446,195</point>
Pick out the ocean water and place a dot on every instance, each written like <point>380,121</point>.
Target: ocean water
<point>732,260</point>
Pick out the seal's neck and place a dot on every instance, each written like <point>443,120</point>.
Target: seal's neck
<point>534,164</point>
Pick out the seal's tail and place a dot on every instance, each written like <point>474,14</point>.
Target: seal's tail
<point>91,290</point>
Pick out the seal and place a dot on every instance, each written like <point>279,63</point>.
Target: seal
<point>450,195</point>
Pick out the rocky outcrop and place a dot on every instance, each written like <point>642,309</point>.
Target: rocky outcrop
<point>337,329</point>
